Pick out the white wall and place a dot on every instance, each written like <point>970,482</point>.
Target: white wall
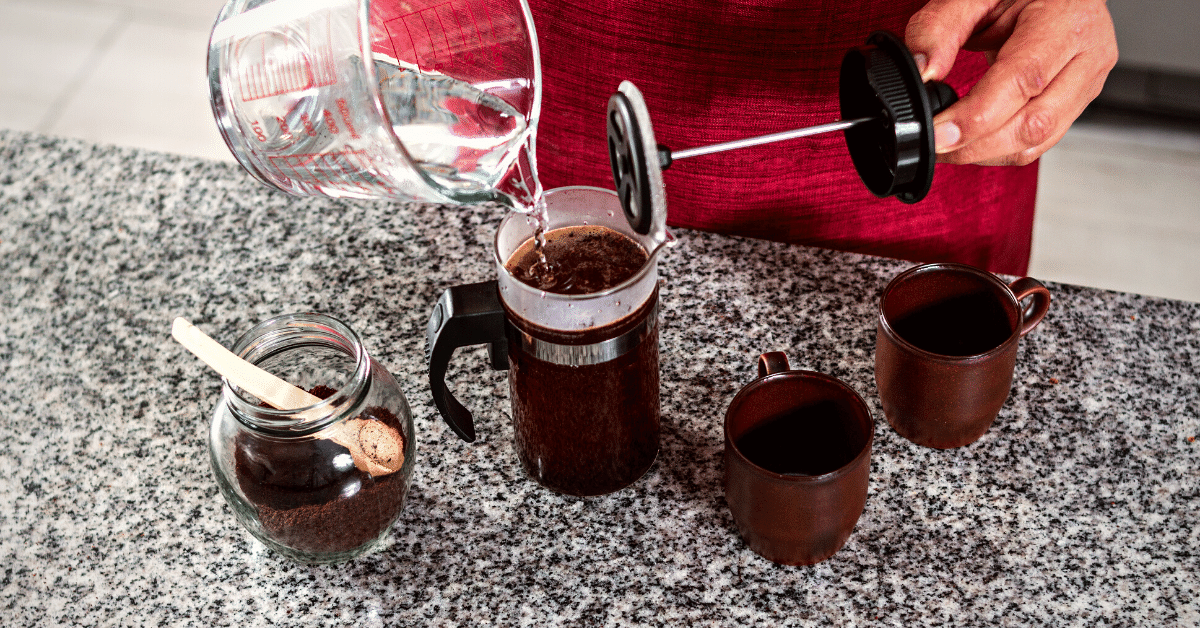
<point>1158,34</point>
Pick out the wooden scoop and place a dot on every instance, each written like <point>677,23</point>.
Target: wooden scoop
<point>377,448</point>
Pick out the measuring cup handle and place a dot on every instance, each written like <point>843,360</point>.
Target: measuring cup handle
<point>470,314</point>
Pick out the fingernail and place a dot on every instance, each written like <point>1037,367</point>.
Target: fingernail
<point>922,61</point>
<point>945,135</point>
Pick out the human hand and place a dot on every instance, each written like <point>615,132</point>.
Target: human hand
<point>1049,59</point>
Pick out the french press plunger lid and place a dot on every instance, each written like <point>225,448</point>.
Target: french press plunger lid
<point>887,117</point>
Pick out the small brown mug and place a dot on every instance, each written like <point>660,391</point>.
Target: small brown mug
<point>945,349</point>
<point>797,457</point>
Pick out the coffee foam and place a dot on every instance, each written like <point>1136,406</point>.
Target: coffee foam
<point>573,206</point>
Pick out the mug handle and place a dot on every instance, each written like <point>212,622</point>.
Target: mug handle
<point>771,363</point>
<point>470,314</point>
<point>1026,288</point>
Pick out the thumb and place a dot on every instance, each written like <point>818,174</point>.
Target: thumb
<point>938,31</point>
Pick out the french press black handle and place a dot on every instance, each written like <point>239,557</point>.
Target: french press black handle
<point>466,315</point>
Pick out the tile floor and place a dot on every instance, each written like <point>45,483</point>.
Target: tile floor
<point>1119,204</point>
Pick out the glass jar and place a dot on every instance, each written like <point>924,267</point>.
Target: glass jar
<point>326,482</point>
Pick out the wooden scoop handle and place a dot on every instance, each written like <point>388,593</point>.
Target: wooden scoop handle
<point>376,449</point>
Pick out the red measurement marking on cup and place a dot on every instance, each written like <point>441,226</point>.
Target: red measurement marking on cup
<point>441,37</point>
<point>309,128</point>
<point>347,118</point>
<point>341,169</point>
<point>271,65</point>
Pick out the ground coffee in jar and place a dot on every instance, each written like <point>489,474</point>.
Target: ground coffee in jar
<point>309,494</point>
<point>323,483</point>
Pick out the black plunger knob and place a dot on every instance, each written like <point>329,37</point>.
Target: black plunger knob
<point>894,154</point>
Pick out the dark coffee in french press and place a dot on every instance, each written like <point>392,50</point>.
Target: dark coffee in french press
<point>579,341</point>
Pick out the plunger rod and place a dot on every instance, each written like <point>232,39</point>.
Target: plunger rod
<point>840,125</point>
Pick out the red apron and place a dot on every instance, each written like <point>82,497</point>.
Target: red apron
<point>713,71</point>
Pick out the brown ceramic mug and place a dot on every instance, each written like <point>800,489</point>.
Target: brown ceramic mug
<point>945,349</point>
<point>797,456</point>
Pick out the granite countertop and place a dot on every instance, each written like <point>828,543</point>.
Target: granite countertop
<point>1080,507</point>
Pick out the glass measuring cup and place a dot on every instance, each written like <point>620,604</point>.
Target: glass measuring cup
<point>415,100</point>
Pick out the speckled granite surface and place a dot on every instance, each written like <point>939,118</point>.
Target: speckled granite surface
<point>1080,507</point>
